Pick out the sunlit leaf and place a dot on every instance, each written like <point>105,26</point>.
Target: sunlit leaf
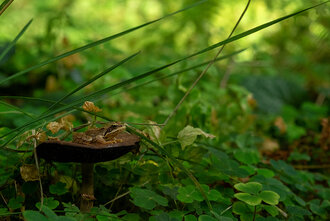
<point>250,187</point>
<point>269,197</point>
<point>188,135</point>
<point>252,200</point>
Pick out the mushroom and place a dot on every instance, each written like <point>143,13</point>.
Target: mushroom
<point>87,155</point>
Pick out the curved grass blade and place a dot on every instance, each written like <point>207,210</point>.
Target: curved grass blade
<point>180,71</point>
<point>113,87</point>
<point>126,89</point>
<point>5,4</point>
<point>91,81</point>
<point>69,106</point>
<point>234,38</point>
<point>17,109</point>
<point>12,44</point>
<point>93,44</point>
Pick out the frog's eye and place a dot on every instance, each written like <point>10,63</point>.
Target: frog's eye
<point>111,128</point>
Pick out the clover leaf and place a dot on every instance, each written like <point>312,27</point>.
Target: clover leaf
<point>188,194</point>
<point>146,198</point>
<point>251,187</point>
<point>251,194</point>
<point>269,197</point>
<point>252,200</point>
<point>58,188</point>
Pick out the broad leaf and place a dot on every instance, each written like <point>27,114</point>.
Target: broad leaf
<point>58,188</point>
<point>188,135</point>
<point>252,200</point>
<point>251,187</point>
<point>269,197</point>
<point>146,198</point>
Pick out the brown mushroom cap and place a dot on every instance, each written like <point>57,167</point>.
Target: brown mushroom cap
<point>63,151</point>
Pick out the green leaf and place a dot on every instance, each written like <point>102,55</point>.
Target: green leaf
<point>265,172</point>
<point>16,203</point>
<point>190,217</point>
<point>58,188</point>
<point>241,208</point>
<point>30,215</point>
<point>298,211</point>
<point>272,210</point>
<point>188,135</point>
<point>296,156</point>
<point>247,156</point>
<point>250,187</point>
<point>269,197</point>
<point>214,195</point>
<point>188,194</point>
<point>294,132</point>
<point>49,202</point>
<point>206,218</point>
<point>49,213</point>
<point>228,167</point>
<point>252,200</point>
<point>146,198</point>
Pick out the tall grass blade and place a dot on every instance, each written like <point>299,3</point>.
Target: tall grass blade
<point>103,91</point>
<point>5,4</point>
<point>91,80</point>
<point>93,44</point>
<point>17,109</point>
<point>180,71</point>
<point>12,44</point>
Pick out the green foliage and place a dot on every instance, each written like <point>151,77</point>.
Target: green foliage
<point>58,188</point>
<point>147,199</point>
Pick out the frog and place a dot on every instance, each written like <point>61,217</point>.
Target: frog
<point>103,135</point>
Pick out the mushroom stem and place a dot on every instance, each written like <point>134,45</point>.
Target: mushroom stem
<point>87,187</point>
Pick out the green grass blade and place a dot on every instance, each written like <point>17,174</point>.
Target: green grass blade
<point>256,29</point>
<point>52,102</point>
<point>181,71</point>
<point>17,109</point>
<point>234,38</point>
<point>103,91</point>
<point>5,4</point>
<point>92,80</point>
<point>93,44</point>
<point>12,44</point>
<point>126,89</point>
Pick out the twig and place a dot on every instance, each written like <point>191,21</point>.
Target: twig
<point>206,69</point>
<point>320,99</point>
<point>6,6</point>
<point>37,165</point>
<point>4,200</point>
<point>282,212</point>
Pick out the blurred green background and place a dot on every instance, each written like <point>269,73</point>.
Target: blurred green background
<point>286,64</point>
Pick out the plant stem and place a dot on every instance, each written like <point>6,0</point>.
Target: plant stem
<point>87,187</point>
<point>254,213</point>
